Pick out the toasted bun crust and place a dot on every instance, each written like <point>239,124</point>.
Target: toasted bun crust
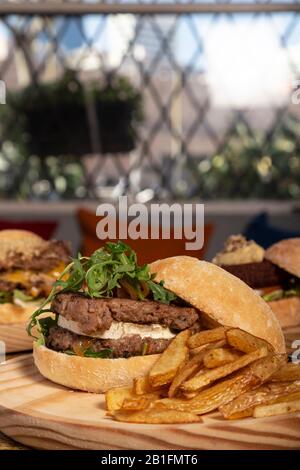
<point>12,314</point>
<point>286,255</point>
<point>287,311</point>
<point>19,241</point>
<point>221,296</point>
<point>90,374</point>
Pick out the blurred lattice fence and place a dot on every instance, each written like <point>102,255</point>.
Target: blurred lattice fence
<point>216,83</point>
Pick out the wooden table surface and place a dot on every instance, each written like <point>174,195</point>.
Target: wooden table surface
<point>8,444</point>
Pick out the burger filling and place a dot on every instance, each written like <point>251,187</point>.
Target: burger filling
<point>111,307</point>
<point>26,280</point>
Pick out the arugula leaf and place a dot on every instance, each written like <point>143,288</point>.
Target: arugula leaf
<point>282,294</point>
<point>103,354</point>
<point>160,293</point>
<point>44,325</point>
<point>5,297</point>
<point>18,294</point>
<point>108,268</point>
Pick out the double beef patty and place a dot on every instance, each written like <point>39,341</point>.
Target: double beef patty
<point>93,315</point>
<point>98,314</point>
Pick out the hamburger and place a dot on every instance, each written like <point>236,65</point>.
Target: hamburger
<point>29,266</point>
<point>113,318</point>
<point>274,273</point>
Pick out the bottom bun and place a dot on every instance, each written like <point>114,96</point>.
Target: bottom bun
<point>90,374</point>
<point>287,311</point>
<point>12,314</point>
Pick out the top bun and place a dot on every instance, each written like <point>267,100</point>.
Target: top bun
<point>222,297</point>
<point>19,241</point>
<point>286,255</point>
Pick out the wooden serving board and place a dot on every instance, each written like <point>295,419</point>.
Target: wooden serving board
<point>15,337</point>
<point>43,415</point>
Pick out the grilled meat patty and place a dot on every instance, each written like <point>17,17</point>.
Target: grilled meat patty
<point>61,339</point>
<point>259,275</point>
<point>97,314</point>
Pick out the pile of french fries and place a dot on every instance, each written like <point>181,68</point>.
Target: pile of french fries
<point>223,369</point>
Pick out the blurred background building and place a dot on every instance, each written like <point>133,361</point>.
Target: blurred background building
<point>165,101</point>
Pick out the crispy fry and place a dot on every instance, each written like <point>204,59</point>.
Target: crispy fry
<point>219,357</point>
<point>139,403</point>
<point>213,397</point>
<point>245,342</point>
<point>289,372</point>
<point>202,379</point>
<point>207,336</point>
<point>207,347</point>
<point>266,394</point>
<point>187,369</point>
<point>166,367</point>
<point>223,392</point>
<point>156,416</point>
<point>263,411</point>
<point>114,398</point>
<point>141,385</point>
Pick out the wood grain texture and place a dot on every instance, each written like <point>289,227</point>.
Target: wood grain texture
<point>43,415</point>
<point>15,337</point>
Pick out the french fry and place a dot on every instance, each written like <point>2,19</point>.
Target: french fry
<point>266,394</point>
<point>213,397</point>
<point>139,403</point>
<point>219,357</point>
<point>223,392</point>
<point>156,416</point>
<point>208,347</point>
<point>245,342</point>
<point>202,379</point>
<point>141,385</point>
<point>263,411</point>
<point>206,336</point>
<point>166,367</point>
<point>114,398</point>
<point>289,372</point>
<point>187,369</point>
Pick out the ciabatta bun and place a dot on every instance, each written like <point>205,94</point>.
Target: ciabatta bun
<point>286,255</point>
<point>287,311</point>
<point>90,374</point>
<point>222,297</point>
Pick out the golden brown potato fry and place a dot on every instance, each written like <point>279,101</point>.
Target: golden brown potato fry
<point>219,357</point>
<point>202,379</point>
<point>213,397</point>
<point>184,372</point>
<point>245,342</point>
<point>167,365</point>
<point>207,336</point>
<point>207,347</point>
<point>139,403</point>
<point>289,372</point>
<point>223,392</point>
<point>156,416</point>
<point>262,411</point>
<point>114,398</point>
<point>266,394</point>
<point>141,385</point>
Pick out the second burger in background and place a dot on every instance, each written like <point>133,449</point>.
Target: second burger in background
<point>29,265</point>
<point>274,273</point>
